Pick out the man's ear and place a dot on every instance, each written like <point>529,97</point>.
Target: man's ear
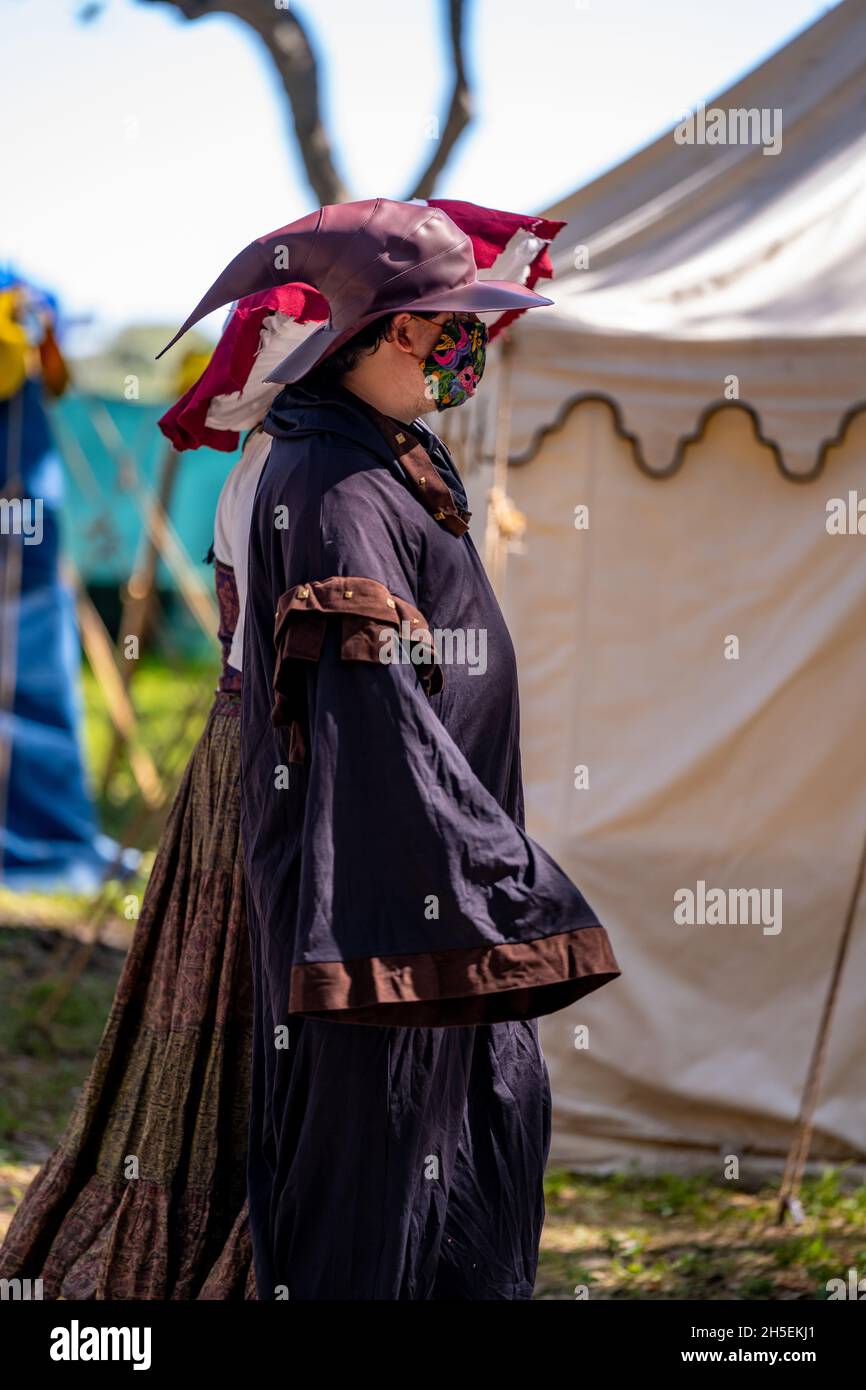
<point>398,332</point>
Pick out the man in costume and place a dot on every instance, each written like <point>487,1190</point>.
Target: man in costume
<point>405,932</point>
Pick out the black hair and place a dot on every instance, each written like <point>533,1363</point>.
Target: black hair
<point>344,358</point>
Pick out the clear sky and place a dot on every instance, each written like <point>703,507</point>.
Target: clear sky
<point>140,151</point>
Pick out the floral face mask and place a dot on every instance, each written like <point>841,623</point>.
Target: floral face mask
<point>456,364</point>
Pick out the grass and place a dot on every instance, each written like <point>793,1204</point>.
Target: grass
<point>616,1237</point>
<point>41,1071</point>
<point>669,1237</point>
<point>170,705</point>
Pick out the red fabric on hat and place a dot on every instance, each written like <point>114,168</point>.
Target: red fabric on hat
<point>490,231</point>
<point>227,372</point>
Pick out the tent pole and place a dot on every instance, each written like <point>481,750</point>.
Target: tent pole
<point>101,655</point>
<point>193,590</point>
<point>135,620</point>
<point>799,1150</point>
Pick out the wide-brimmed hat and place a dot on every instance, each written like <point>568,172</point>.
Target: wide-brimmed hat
<point>367,259</point>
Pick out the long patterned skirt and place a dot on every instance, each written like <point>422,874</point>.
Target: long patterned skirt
<point>145,1198</point>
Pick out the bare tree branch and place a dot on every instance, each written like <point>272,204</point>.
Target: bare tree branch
<point>292,54</point>
<point>460,109</point>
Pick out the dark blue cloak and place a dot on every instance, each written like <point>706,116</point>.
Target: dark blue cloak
<point>389,872</point>
<point>390,881</point>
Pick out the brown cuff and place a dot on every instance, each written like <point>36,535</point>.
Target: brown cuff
<point>491,984</point>
<point>370,614</point>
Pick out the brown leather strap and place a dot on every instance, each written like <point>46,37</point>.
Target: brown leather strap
<point>427,484</point>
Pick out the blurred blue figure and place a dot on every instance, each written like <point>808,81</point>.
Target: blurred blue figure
<point>48,832</point>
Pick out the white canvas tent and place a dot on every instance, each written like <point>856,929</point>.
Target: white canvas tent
<point>712,270</point>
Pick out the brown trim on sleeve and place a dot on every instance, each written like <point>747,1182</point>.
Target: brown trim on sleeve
<point>490,984</point>
<point>370,614</point>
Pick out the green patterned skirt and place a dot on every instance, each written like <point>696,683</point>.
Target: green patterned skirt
<point>145,1198</point>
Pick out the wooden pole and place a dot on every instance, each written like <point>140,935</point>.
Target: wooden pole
<point>138,604</point>
<point>194,591</point>
<point>101,655</point>
<point>800,1145</point>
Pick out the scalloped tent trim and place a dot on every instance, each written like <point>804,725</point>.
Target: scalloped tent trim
<point>686,440</point>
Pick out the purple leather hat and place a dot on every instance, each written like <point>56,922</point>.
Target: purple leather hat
<point>367,259</point>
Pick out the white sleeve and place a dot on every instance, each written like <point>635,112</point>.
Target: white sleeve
<point>232,525</point>
<point>240,410</point>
